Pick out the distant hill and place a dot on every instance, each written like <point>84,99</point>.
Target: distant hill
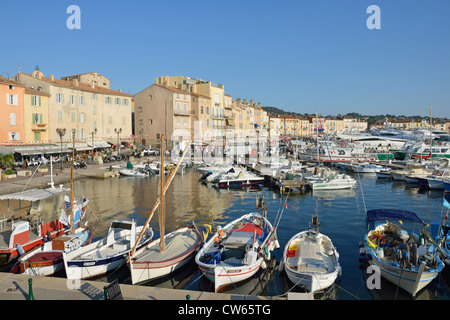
<point>369,118</point>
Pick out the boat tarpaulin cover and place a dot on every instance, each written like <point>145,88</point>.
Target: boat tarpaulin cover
<point>392,214</point>
<point>34,194</point>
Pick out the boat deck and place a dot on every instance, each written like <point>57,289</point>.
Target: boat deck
<point>310,256</point>
<point>176,244</point>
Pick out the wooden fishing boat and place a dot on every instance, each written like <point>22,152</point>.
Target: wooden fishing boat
<point>310,259</point>
<point>46,260</point>
<point>237,251</point>
<point>403,258</point>
<point>170,252</point>
<point>38,220</point>
<point>106,254</point>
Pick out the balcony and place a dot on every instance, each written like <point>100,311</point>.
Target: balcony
<point>181,113</point>
<point>39,127</point>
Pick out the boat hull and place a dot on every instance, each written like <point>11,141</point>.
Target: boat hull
<point>225,271</point>
<point>308,268</point>
<point>143,270</point>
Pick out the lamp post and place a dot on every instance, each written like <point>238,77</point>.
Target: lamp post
<point>61,133</point>
<point>118,131</point>
<point>93,133</point>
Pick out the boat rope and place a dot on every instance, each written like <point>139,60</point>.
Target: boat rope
<point>362,192</point>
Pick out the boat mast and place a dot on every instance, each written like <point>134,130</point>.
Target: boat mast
<point>161,195</point>
<point>431,132</point>
<point>72,226</point>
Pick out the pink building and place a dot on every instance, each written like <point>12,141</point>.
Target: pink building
<point>12,129</point>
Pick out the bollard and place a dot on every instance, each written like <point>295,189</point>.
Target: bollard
<point>30,289</point>
<point>188,297</point>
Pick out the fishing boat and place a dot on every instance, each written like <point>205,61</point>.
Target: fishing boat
<point>237,251</point>
<point>107,254</point>
<point>446,184</point>
<point>339,181</point>
<point>46,260</point>
<point>435,180</point>
<point>243,179</point>
<point>403,257</point>
<point>384,173</point>
<point>310,259</point>
<point>170,252</point>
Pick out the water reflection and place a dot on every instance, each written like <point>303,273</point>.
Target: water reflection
<point>341,213</point>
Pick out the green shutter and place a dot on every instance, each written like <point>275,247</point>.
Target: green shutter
<point>39,101</point>
<point>32,100</point>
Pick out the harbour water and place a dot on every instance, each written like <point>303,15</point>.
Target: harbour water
<point>341,214</point>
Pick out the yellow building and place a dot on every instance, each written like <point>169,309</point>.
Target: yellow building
<point>36,116</point>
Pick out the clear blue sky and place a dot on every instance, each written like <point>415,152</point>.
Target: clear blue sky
<point>298,55</point>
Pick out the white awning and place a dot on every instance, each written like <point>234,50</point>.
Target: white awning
<point>34,194</point>
<point>99,144</point>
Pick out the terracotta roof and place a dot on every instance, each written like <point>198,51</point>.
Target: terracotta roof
<point>35,92</point>
<point>173,89</point>
<point>9,82</point>
<point>81,86</point>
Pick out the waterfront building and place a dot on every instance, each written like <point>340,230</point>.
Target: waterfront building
<point>12,130</point>
<point>36,125</point>
<point>165,110</point>
<point>86,108</point>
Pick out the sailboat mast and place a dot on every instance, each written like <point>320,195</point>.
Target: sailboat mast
<point>71,185</point>
<point>431,132</point>
<point>161,216</point>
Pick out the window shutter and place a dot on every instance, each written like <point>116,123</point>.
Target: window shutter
<point>32,100</point>
<point>39,101</point>
<point>40,118</point>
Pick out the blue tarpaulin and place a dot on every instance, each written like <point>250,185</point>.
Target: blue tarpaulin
<point>392,214</point>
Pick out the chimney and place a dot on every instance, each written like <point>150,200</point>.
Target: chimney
<point>93,84</point>
<point>120,90</point>
<point>259,104</point>
<point>51,77</point>
<point>75,82</point>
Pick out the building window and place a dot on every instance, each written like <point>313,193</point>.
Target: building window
<point>59,98</point>
<point>12,99</point>
<point>108,100</point>
<point>82,101</point>
<point>94,96</point>
<point>117,101</point>
<point>14,136</point>
<point>125,101</point>
<point>35,101</point>
<point>12,119</point>
<point>94,110</point>
<point>82,117</point>
<point>37,118</point>
<point>60,116</point>
<point>72,99</point>
<point>72,116</point>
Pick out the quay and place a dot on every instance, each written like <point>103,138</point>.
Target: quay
<point>16,287</point>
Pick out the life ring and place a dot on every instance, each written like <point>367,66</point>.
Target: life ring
<point>341,144</point>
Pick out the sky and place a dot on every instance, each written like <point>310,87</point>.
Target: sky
<point>297,55</point>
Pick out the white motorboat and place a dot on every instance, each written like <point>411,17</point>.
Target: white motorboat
<point>339,181</point>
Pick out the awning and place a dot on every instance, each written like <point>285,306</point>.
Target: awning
<point>34,194</point>
<point>99,144</point>
<point>81,146</point>
<point>392,214</point>
<point>40,149</point>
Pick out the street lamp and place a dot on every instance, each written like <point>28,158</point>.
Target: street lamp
<point>93,133</point>
<point>61,133</point>
<point>118,131</point>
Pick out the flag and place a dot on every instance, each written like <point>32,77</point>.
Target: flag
<point>285,204</point>
<point>445,203</point>
<point>64,219</point>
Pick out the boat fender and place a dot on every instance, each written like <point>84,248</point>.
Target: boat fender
<point>277,244</point>
<point>281,266</point>
<point>19,249</point>
<point>362,251</point>
<point>263,265</point>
